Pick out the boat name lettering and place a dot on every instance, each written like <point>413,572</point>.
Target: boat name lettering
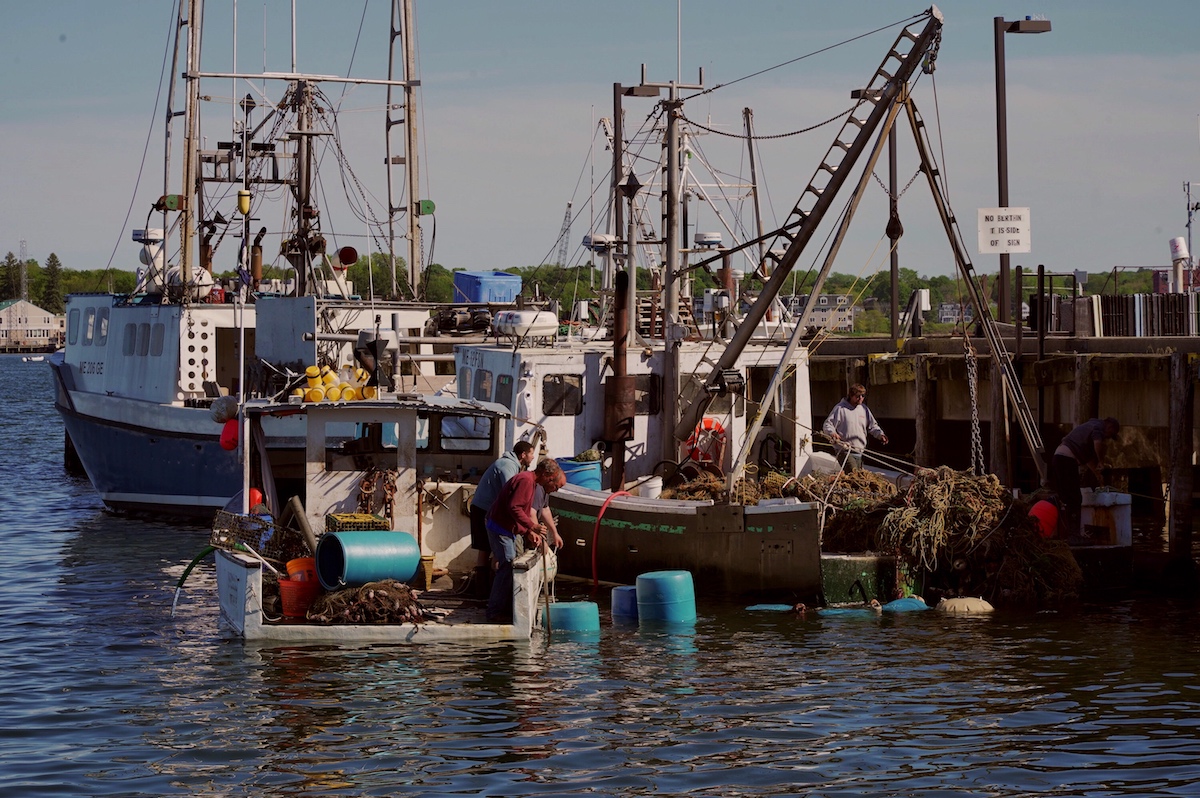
<point>472,358</point>
<point>91,367</point>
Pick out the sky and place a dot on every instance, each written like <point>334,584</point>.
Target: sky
<point>1103,117</point>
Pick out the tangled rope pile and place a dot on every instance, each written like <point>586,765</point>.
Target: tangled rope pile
<point>386,601</point>
<point>958,533</point>
<point>965,535</point>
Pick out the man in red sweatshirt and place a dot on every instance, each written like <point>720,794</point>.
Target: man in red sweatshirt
<point>512,516</point>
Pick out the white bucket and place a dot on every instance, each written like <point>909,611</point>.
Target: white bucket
<point>651,488</point>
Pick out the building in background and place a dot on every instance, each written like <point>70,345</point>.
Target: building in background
<point>24,327</point>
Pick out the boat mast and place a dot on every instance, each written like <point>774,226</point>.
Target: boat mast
<point>184,19</point>
<point>195,22</point>
<point>402,29</point>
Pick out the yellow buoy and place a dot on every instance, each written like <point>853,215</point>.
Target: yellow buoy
<point>299,392</point>
<point>333,393</point>
<point>368,392</point>
<point>315,394</point>
<point>348,393</point>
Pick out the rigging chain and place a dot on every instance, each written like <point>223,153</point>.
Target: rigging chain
<point>973,389</point>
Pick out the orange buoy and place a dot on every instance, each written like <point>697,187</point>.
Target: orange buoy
<point>256,498</point>
<point>1047,515</point>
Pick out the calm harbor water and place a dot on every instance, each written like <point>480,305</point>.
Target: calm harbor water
<point>104,693</point>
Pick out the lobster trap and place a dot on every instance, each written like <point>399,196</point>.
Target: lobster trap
<point>258,533</point>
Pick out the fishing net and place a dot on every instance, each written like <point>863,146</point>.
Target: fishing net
<point>383,602</point>
<point>964,534</point>
<point>952,531</point>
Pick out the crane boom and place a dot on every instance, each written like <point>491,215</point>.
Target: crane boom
<point>915,42</point>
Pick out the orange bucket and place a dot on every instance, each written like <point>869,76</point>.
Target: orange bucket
<point>302,569</point>
<point>297,596</point>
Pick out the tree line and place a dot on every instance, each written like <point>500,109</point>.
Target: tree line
<point>49,284</point>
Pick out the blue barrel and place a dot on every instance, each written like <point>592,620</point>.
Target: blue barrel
<point>585,474</point>
<point>909,604</point>
<point>624,603</point>
<point>666,596</point>
<point>574,616</point>
<point>353,558</point>
<point>771,608</point>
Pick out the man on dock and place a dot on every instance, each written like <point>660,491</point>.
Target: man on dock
<point>1083,447</point>
<point>511,517</point>
<point>491,483</point>
<point>849,424</point>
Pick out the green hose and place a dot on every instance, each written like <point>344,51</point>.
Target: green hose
<point>183,578</point>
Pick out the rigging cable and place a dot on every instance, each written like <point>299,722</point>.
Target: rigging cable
<point>905,21</point>
<point>146,147</point>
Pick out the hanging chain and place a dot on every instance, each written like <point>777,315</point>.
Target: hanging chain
<point>973,390</point>
<point>906,185</point>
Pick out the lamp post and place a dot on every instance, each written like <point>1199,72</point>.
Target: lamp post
<point>1001,27</point>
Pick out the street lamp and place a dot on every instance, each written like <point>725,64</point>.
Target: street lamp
<point>1001,27</point>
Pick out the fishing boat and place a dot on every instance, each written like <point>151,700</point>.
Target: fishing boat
<point>669,400</point>
<point>376,507</point>
<point>139,373</point>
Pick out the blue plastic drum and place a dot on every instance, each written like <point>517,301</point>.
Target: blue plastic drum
<point>352,559</point>
<point>584,474</point>
<point>666,596</point>
<point>624,603</point>
<point>574,616</point>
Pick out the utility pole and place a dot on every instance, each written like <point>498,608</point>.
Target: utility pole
<point>671,266</point>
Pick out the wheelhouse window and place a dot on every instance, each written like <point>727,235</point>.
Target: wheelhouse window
<point>464,383</point>
<point>157,334</point>
<point>73,327</point>
<point>504,390</point>
<point>562,394</point>
<point>466,433</point>
<point>483,385</point>
<point>129,340</point>
<point>89,326</point>
<point>102,326</point>
<point>143,341</point>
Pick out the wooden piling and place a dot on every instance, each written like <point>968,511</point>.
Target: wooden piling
<point>925,416</point>
<point>1183,389</point>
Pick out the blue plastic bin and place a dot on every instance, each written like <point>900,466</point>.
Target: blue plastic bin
<point>499,287</point>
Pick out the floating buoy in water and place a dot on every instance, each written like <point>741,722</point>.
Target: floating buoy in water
<point>229,435</point>
<point>907,604</point>
<point>964,604</point>
<point>1047,515</point>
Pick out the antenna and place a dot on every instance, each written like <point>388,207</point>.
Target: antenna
<point>564,236</point>
<point>24,271</point>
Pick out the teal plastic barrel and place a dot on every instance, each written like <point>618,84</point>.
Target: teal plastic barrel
<point>351,559</point>
<point>584,474</point>
<point>624,603</point>
<point>666,596</point>
<point>574,616</point>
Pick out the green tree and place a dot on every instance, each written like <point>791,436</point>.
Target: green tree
<point>10,277</point>
<point>439,284</point>
<point>51,295</point>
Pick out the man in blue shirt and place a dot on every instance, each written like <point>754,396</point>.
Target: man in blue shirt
<point>491,483</point>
